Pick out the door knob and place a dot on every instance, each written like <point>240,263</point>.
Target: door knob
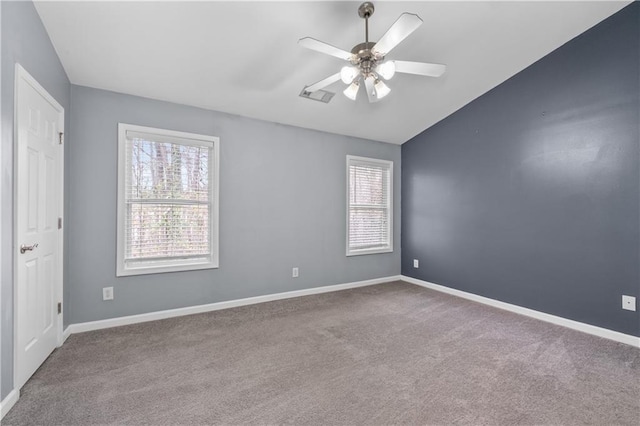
<point>24,248</point>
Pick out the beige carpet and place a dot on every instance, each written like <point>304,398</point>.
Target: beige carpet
<point>387,354</point>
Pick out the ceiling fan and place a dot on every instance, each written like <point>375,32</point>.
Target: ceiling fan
<point>367,60</point>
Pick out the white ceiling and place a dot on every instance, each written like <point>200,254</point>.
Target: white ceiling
<point>243,58</point>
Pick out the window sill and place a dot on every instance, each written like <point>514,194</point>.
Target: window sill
<point>369,251</point>
<point>146,270</point>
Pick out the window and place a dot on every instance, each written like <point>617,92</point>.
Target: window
<point>167,201</point>
<point>369,206</point>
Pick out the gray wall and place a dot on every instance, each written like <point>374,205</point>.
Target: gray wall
<point>282,204</point>
<point>24,41</point>
<point>530,194</point>
<point>282,198</point>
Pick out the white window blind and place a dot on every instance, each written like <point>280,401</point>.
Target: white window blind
<point>167,201</point>
<point>369,206</point>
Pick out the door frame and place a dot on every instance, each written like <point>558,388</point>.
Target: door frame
<point>22,74</point>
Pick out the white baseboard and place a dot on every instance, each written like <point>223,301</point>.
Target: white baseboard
<point>8,402</point>
<point>575,325</point>
<point>66,333</point>
<point>153,316</point>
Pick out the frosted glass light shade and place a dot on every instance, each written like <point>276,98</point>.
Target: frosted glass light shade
<point>386,69</point>
<point>351,92</point>
<point>382,89</point>
<point>347,74</point>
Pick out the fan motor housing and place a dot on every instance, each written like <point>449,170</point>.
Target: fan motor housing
<point>363,49</point>
<point>364,58</point>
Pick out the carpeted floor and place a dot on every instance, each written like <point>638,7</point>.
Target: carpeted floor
<point>386,354</point>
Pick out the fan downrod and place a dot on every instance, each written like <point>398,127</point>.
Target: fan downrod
<point>363,56</point>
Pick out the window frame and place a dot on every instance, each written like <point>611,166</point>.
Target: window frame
<point>174,265</point>
<point>356,160</point>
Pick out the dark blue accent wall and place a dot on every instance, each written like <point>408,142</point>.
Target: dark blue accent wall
<point>530,194</point>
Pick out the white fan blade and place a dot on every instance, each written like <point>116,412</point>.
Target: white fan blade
<point>322,47</point>
<point>371,91</point>
<point>405,25</point>
<point>323,83</point>
<point>420,68</point>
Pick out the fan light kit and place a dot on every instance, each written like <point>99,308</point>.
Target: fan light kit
<point>367,60</point>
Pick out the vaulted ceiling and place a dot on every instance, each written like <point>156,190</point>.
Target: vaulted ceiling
<point>243,58</point>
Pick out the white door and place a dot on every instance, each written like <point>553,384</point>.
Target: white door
<point>38,249</point>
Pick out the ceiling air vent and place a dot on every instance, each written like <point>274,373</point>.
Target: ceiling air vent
<point>318,95</point>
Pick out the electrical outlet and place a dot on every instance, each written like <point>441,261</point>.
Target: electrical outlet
<point>628,303</point>
<point>416,263</point>
<point>294,272</point>
<point>107,293</point>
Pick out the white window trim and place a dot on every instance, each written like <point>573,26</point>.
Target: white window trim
<point>214,171</point>
<point>389,248</point>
